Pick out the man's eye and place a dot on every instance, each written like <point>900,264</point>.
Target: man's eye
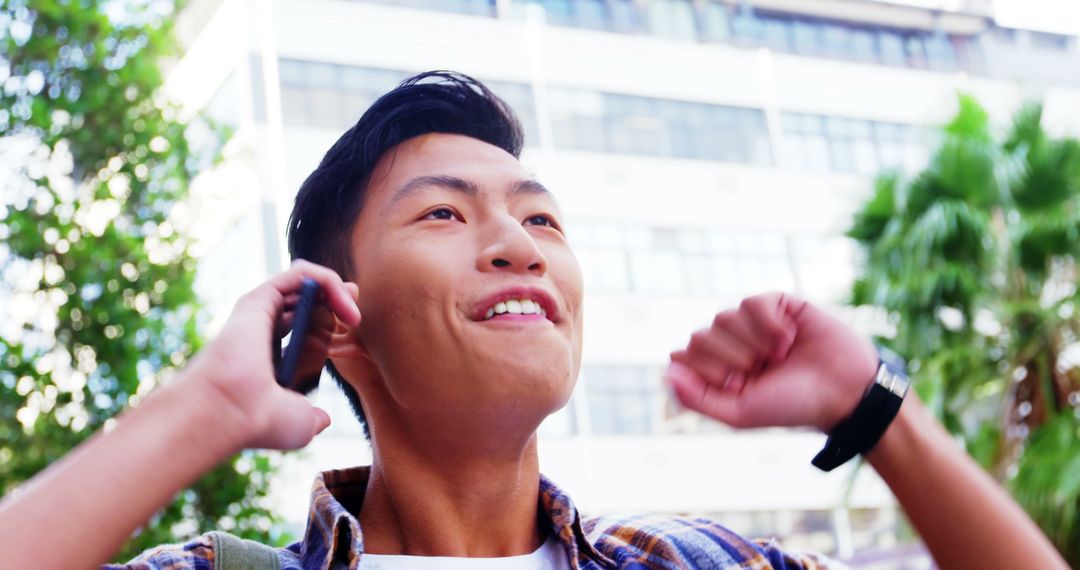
<point>541,220</point>
<point>441,214</point>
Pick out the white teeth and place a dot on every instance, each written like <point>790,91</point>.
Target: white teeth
<point>516,307</point>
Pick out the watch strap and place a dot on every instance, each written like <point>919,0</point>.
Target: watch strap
<point>859,432</point>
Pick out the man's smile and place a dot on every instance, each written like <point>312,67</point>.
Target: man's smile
<point>520,304</point>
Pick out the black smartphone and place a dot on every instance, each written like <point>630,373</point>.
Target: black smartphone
<point>305,307</point>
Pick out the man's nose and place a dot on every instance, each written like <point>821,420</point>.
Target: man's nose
<point>508,246</point>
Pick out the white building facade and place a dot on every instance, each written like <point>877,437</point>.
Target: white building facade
<point>702,151</point>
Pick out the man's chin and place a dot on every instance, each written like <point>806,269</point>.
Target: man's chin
<point>531,391</point>
<point>527,370</point>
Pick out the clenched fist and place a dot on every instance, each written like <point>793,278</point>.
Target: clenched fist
<point>775,361</point>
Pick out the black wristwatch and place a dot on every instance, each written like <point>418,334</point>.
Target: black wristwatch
<point>860,431</point>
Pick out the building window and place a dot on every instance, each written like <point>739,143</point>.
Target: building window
<point>714,22</point>
<point>626,17</point>
<point>586,14</point>
<point>325,95</point>
<point>671,19</point>
<point>332,96</point>
<point>1048,41</point>
<point>807,37</point>
<point>726,265</point>
<point>657,272</point>
<point>940,53</point>
<point>471,7</point>
<point>832,144</point>
<point>626,124</point>
<point>736,21</point>
<point>915,47</point>
<point>839,41</point>
<point>747,28</point>
<point>892,48</point>
<point>805,145</point>
<point>864,45</point>
<point>605,269</point>
<point>623,400</point>
<point>519,97</point>
<point>824,38</point>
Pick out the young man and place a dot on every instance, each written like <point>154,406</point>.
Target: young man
<point>471,336</point>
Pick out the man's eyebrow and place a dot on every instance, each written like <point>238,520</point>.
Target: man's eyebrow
<point>464,186</point>
<point>441,181</point>
<point>530,187</point>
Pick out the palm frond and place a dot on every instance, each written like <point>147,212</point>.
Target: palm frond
<point>971,120</point>
<point>1049,177</point>
<point>989,226</point>
<point>1047,484</point>
<point>1026,129</point>
<point>952,230</point>
<point>1038,244</point>
<point>870,221</point>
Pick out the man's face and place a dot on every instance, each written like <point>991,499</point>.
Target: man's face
<point>470,294</point>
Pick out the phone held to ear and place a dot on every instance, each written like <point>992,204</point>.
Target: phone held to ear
<point>305,307</point>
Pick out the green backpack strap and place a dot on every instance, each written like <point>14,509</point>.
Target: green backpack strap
<point>235,553</point>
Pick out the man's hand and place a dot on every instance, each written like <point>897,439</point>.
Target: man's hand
<point>779,361</point>
<point>225,400</point>
<point>775,361</point>
<point>237,366</point>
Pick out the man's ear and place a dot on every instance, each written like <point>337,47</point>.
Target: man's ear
<point>345,343</point>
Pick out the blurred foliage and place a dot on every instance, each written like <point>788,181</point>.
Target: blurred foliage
<point>96,281</point>
<point>974,259</point>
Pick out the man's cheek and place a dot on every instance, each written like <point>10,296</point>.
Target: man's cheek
<point>401,311</point>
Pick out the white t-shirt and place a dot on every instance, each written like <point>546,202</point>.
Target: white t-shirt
<point>550,556</point>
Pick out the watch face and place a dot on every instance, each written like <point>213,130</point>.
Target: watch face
<point>892,380</point>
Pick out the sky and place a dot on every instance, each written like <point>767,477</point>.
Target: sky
<point>1061,16</point>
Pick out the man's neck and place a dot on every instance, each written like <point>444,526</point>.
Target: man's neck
<point>441,503</point>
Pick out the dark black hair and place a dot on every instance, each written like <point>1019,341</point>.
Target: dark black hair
<point>329,201</point>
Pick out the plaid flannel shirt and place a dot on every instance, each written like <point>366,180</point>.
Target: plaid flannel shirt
<point>333,539</point>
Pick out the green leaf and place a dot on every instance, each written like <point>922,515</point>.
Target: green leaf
<point>989,231</point>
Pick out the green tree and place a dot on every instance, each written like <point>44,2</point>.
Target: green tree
<point>974,259</point>
<point>96,285</point>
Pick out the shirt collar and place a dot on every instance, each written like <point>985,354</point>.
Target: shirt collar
<point>333,538</point>
<point>566,524</point>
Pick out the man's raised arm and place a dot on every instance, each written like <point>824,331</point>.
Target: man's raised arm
<point>78,512</point>
<point>779,361</point>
